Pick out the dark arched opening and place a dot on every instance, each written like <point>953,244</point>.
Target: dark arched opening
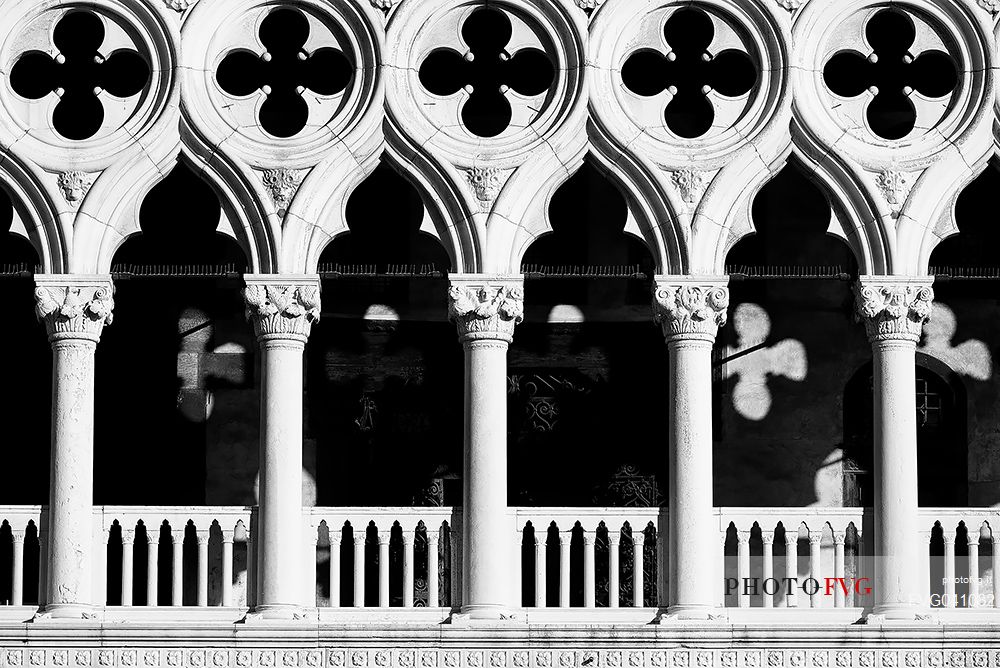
<point>176,408</point>
<point>780,359</point>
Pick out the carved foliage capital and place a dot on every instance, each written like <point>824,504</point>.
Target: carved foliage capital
<point>282,307</point>
<point>74,310</point>
<point>486,310</point>
<point>690,308</point>
<point>893,310</point>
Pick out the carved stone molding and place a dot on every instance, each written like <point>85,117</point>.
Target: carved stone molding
<point>892,307</point>
<point>690,184</point>
<point>74,185</point>
<point>281,185</point>
<point>282,306</point>
<point>690,306</point>
<point>74,307</point>
<point>494,657</point>
<point>484,307</point>
<point>486,183</point>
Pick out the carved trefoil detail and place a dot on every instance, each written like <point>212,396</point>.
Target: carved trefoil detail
<point>895,187</point>
<point>75,310</point>
<point>486,183</point>
<point>690,309</point>
<point>690,184</point>
<point>282,184</point>
<point>282,308</point>
<point>893,310</point>
<point>486,311</point>
<point>74,185</point>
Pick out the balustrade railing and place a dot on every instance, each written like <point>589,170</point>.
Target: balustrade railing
<point>562,557</point>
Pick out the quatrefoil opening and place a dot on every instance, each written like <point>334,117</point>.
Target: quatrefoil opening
<point>691,77</point>
<point>488,74</point>
<point>892,74</point>
<point>284,72</point>
<point>80,75</point>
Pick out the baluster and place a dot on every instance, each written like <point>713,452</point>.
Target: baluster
<point>359,568</point>
<point>408,538</point>
<point>791,567</point>
<point>925,568</point>
<point>152,559</point>
<point>767,566</point>
<point>383,568</point>
<point>638,586</point>
<point>177,580</point>
<point>839,596</point>
<point>43,566</point>
<point>334,568</point>
<point>742,567</point>
<point>973,599</point>
<point>202,537</point>
<point>17,568</point>
<point>949,569</point>
<point>539,568</point>
<point>309,565</point>
<point>614,588</point>
<point>227,567</point>
<point>433,584</point>
<point>128,556</point>
<point>995,540</point>
<point>457,565</point>
<point>565,539</point>
<point>589,576</point>
<point>815,568</point>
<point>251,570</point>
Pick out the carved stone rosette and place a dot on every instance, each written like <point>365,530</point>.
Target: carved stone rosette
<point>486,308</point>
<point>893,308</point>
<point>282,307</point>
<point>74,307</point>
<point>690,308</point>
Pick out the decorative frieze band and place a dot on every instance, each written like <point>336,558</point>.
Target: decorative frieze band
<point>74,307</point>
<point>479,657</point>
<point>892,307</point>
<point>695,306</point>
<point>282,306</point>
<point>485,307</point>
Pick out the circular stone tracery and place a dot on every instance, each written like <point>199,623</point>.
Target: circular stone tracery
<point>684,77</point>
<point>294,76</point>
<point>82,70</point>
<point>908,81</point>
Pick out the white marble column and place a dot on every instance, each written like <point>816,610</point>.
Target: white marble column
<point>74,309</point>
<point>894,310</point>
<point>282,310</point>
<point>690,310</point>
<point>485,310</point>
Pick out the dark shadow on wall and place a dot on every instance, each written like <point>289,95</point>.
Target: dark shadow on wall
<point>25,396</point>
<point>384,392</point>
<point>785,356</point>
<point>176,406</point>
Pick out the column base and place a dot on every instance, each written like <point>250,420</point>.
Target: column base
<point>693,613</point>
<point>474,615</point>
<point>280,612</point>
<point>900,614</point>
<point>66,611</point>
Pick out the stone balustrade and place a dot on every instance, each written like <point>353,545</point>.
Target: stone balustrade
<point>383,558</point>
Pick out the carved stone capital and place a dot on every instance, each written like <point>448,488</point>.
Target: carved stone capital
<point>690,306</point>
<point>74,307</point>
<point>893,308</point>
<point>484,307</point>
<point>282,306</point>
